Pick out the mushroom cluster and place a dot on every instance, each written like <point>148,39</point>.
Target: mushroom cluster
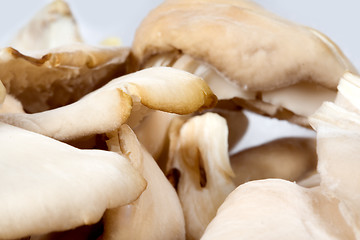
<point>112,142</point>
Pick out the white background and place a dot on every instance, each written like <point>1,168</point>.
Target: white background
<point>98,20</point>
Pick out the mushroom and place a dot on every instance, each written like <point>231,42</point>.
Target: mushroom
<point>125,99</point>
<point>53,26</point>
<point>49,70</point>
<point>245,53</point>
<point>279,209</point>
<point>2,93</point>
<point>11,105</point>
<point>199,168</point>
<point>287,158</point>
<point>157,214</point>
<point>48,186</point>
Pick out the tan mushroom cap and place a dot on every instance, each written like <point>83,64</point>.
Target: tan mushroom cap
<point>278,209</point>
<point>157,214</point>
<point>50,186</point>
<point>60,76</point>
<point>286,158</point>
<point>107,108</point>
<point>268,64</point>
<point>200,167</point>
<point>251,46</point>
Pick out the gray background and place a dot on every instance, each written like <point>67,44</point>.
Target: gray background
<point>101,19</point>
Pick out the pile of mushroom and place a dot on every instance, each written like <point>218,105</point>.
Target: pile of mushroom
<point>110,142</point>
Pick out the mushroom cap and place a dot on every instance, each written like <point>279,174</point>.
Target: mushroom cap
<point>59,76</point>
<point>254,48</point>
<point>50,186</point>
<point>51,27</point>
<point>48,66</point>
<point>278,209</point>
<point>198,152</point>
<point>157,214</point>
<point>107,108</point>
<point>286,158</point>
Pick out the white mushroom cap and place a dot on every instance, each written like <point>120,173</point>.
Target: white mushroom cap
<point>107,108</point>
<point>50,186</point>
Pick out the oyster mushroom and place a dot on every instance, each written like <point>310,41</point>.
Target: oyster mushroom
<point>199,168</point>
<point>245,53</point>
<point>287,158</point>
<point>53,26</point>
<point>125,99</point>
<point>157,214</point>
<point>278,209</point>
<point>50,186</point>
<point>2,93</point>
<point>49,70</point>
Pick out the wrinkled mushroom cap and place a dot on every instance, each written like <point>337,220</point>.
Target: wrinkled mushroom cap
<point>271,51</point>
<point>264,63</point>
<point>50,186</point>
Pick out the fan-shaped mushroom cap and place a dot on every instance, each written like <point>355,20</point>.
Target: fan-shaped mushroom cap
<point>265,62</point>
<point>50,186</point>
<point>107,108</point>
<point>51,27</point>
<point>200,167</point>
<point>157,214</point>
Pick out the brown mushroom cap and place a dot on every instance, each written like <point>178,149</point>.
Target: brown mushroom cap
<point>50,186</point>
<point>48,66</point>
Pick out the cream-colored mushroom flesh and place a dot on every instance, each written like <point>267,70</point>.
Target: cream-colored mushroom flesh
<point>153,132</point>
<point>338,133</point>
<point>287,158</point>
<point>51,27</point>
<point>157,214</point>
<point>2,93</point>
<point>49,186</point>
<point>107,108</point>
<point>278,209</point>
<point>11,105</point>
<point>199,165</point>
<point>244,52</point>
